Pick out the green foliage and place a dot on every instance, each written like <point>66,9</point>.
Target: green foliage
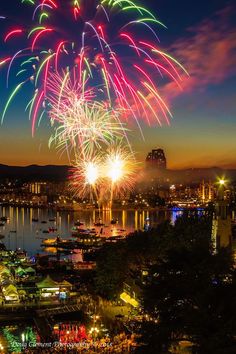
<point>120,261</point>
<point>192,292</point>
<point>111,270</point>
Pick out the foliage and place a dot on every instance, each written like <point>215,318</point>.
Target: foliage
<point>111,270</point>
<point>191,292</point>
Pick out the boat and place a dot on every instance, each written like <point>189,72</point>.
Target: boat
<point>65,251</point>
<point>76,231</point>
<point>78,223</point>
<point>50,241</point>
<point>35,220</point>
<point>115,239</point>
<point>58,242</point>
<point>92,231</point>
<point>82,242</point>
<point>45,232</point>
<point>52,219</point>
<point>114,221</point>
<point>43,222</point>
<point>52,229</point>
<point>98,224</point>
<point>89,241</point>
<point>13,231</point>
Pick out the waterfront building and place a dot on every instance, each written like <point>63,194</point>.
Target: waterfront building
<point>37,187</point>
<point>206,192</point>
<point>49,288</point>
<point>222,221</point>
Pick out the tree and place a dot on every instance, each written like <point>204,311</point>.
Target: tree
<point>191,292</point>
<point>124,260</point>
<point>111,270</point>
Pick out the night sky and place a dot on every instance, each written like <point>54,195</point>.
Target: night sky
<point>202,36</point>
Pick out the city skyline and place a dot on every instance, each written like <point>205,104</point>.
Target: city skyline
<point>202,130</point>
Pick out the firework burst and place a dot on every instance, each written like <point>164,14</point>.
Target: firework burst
<point>79,121</point>
<point>120,168</point>
<point>85,177</point>
<point>110,174</point>
<point>94,41</point>
<point>92,72</point>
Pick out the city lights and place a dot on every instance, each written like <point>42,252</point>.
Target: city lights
<point>117,226</point>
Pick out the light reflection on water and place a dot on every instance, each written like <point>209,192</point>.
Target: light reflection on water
<point>21,232</point>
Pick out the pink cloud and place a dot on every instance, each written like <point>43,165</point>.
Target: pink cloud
<point>208,53</point>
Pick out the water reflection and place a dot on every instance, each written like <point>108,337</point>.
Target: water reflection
<point>20,231</point>
<point>175,215</point>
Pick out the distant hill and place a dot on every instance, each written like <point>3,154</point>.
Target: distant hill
<point>35,172</point>
<point>192,176</point>
<point>195,175</point>
<point>60,173</point>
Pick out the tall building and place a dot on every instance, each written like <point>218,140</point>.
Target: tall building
<point>37,187</point>
<point>156,160</point>
<point>222,222</point>
<point>206,192</point>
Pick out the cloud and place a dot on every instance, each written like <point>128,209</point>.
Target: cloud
<point>208,53</point>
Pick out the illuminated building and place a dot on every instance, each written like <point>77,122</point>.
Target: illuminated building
<point>206,192</point>
<point>222,221</point>
<point>156,160</point>
<point>130,295</point>
<point>37,187</point>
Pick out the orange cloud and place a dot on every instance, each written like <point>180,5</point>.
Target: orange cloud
<point>208,53</point>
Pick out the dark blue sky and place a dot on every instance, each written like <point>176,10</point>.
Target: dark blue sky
<point>202,35</point>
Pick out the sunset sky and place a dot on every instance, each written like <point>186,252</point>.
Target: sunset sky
<point>202,36</point>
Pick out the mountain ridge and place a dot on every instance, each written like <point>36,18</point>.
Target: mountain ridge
<point>60,173</point>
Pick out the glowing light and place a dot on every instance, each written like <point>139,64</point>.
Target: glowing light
<point>81,83</point>
<point>95,54</point>
<point>115,167</point>
<point>222,182</point>
<point>78,119</point>
<point>91,173</point>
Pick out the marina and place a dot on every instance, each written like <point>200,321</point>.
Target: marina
<point>23,228</point>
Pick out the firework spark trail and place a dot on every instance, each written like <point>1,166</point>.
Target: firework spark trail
<point>85,177</point>
<point>108,174</point>
<point>92,73</point>
<point>79,120</point>
<point>103,53</point>
<point>120,168</point>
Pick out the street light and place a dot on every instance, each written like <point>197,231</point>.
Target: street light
<point>221,187</point>
<point>222,182</point>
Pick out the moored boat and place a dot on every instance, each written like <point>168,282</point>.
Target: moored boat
<point>78,223</point>
<point>114,221</point>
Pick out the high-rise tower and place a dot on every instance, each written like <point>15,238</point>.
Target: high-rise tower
<point>156,160</point>
<point>222,221</point>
